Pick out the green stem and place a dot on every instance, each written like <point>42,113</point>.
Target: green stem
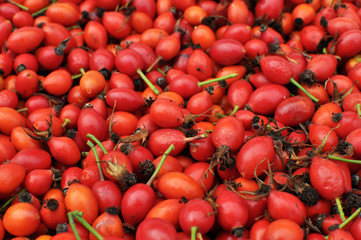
<point>162,72</point>
<point>92,137</point>
<point>66,122</point>
<point>22,110</point>
<point>78,216</point>
<point>92,147</point>
<point>40,11</point>
<point>82,72</point>
<point>19,5</point>
<point>350,218</point>
<point>146,80</point>
<point>153,64</point>
<point>72,225</point>
<point>77,76</point>
<point>43,9</point>
<point>329,156</point>
<point>73,27</point>
<point>340,210</point>
<point>220,115</point>
<point>190,139</point>
<point>358,108</point>
<point>194,232</point>
<point>235,109</point>
<point>8,202</point>
<point>166,153</point>
<point>294,82</point>
<point>217,79</point>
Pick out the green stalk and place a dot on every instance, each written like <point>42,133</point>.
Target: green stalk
<point>77,76</point>
<point>220,115</point>
<point>82,72</point>
<point>78,216</point>
<point>19,5</point>
<point>73,27</point>
<point>350,218</point>
<point>329,156</point>
<point>294,82</point>
<point>40,11</point>
<point>166,153</point>
<point>146,80</point>
<point>22,110</point>
<point>66,122</point>
<point>72,225</point>
<point>162,72</point>
<point>8,202</point>
<point>43,9</point>
<point>190,139</point>
<point>340,210</point>
<point>194,232</point>
<point>235,109</point>
<point>358,108</point>
<point>92,137</point>
<point>153,64</point>
<point>92,147</point>
<point>200,84</point>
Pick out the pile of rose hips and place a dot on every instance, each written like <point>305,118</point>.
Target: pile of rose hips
<point>180,119</point>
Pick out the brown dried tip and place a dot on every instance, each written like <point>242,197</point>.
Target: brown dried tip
<point>139,134</point>
<point>352,201</point>
<point>146,168</point>
<point>308,77</point>
<point>303,189</point>
<point>238,231</point>
<point>127,148</point>
<point>308,195</point>
<point>345,149</point>
<point>112,210</point>
<point>25,197</point>
<point>222,157</point>
<point>122,175</point>
<point>61,227</point>
<point>52,204</point>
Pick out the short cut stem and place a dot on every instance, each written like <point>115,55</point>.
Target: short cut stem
<point>72,225</point>
<point>200,84</point>
<point>329,156</point>
<point>350,218</point>
<point>235,109</point>
<point>92,137</point>
<point>8,202</point>
<point>78,216</point>
<point>294,82</point>
<point>358,108</point>
<point>340,210</point>
<point>165,155</point>
<point>194,230</point>
<point>149,83</point>
<point>19,5</point>
<point>92,147</point>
